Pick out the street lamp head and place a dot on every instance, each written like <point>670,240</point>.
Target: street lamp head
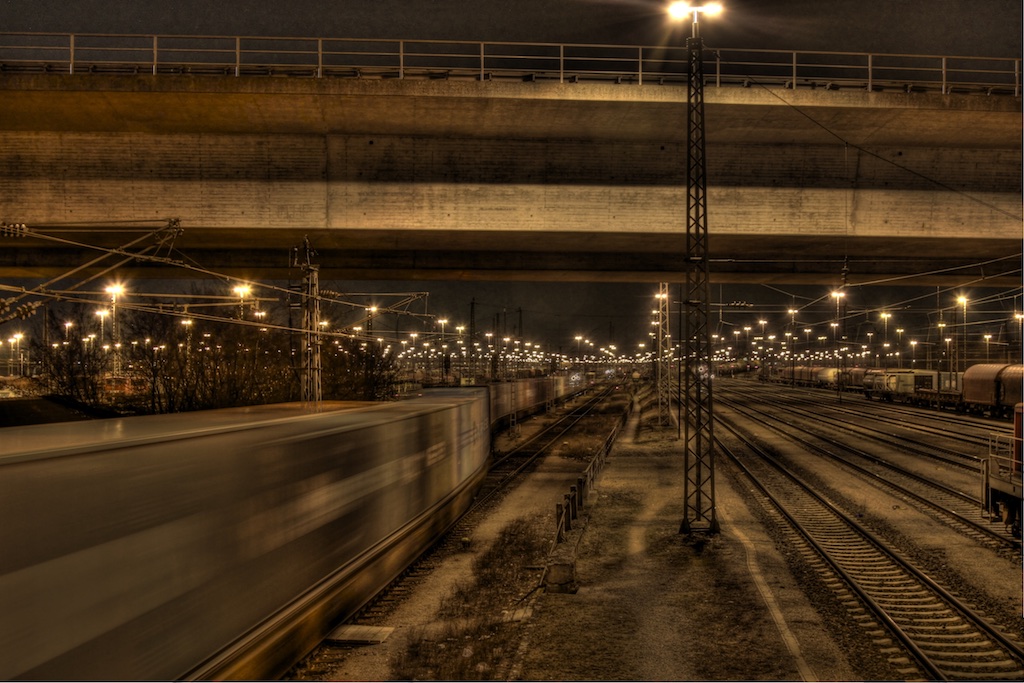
<point>682,10</point>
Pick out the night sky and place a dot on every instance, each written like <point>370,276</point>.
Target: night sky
<point>936,27</point>
<point>943,27</point>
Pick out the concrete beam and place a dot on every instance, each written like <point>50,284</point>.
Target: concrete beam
<point>464,179</point>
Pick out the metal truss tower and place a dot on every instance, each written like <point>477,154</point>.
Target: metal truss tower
<point>663,349</point>
<point>698,425</point>
<point>312,366</point>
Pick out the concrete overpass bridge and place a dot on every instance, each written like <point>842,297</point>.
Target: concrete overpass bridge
<point>525,178</point>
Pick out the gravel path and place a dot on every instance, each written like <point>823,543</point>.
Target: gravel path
<point>653,607</point>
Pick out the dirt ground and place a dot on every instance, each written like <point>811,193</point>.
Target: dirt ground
<point>650,605</point>
<point>653,607</point>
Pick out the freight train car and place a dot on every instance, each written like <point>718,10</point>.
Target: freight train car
<point>1001,472</point>
<point>992,388</point>
<point>526,396</point>
<point>900,385</point>
<point>199,545</point>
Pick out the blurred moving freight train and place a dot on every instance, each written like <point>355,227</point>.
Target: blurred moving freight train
<point>224,543</point>
<point>985,388</point>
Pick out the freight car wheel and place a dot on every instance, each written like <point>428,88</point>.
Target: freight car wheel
<point>1008,513</point>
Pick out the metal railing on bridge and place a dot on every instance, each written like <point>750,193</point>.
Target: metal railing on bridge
<point>432,59</point>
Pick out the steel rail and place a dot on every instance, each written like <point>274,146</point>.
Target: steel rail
<point>931,668</point>
<point>943,490</point>
<point>958,459</point>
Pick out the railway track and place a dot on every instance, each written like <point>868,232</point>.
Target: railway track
<point>954,508</point>
<point>960,427</point>
<point>939,637</point>
<point>961,456</point>
<point>505,470</point>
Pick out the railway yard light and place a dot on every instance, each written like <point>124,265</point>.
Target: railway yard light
<point>962,365</point>
<point>698,481</point>
<point>241,291</point>
<point>684,10</point>
<point>1020,337</point>
<point>102,315</point>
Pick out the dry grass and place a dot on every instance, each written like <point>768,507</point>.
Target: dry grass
<point>473,637</point>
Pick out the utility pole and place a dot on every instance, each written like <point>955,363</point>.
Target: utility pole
<point>310,351</point>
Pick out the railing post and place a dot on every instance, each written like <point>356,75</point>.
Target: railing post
<point>945,91</point>
<point>794,71</point>
<point>581,490</point>
<point>559,522</point>
<point>71,53</point>
<point>319,57</point>
<point>984,486</point>
<point>567,503</point>
<point>871,73</point>
<point>482,62</point>
<point>401,59</point>
<point>238,56</point>
<point>155,53</point>
<point>561,63</point>
<point>1016,78</point>
<point>640,66</point>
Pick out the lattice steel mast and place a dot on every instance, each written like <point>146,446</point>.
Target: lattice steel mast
<point>311,391</point>
<point>698,426</point>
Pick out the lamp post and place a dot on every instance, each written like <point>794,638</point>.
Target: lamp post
<point>941,325</point>
<point>102,315</point>
<point>1020,334</point>
<point>114,291</point>
<point>962,365</point>
<point>699,482</point>
<point>445,362</point>
<point>370,312</point>
<point>242,291</point>
<point>885,339</point>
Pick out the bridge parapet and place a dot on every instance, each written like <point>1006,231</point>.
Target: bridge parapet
<point>361,58</point>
